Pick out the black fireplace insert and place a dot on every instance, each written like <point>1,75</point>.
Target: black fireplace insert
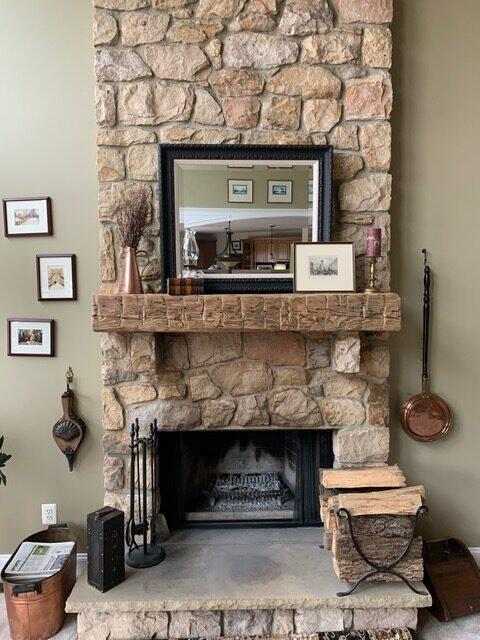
<point>235,478</point>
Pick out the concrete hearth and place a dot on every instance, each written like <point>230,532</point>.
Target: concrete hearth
<point>268,574</point>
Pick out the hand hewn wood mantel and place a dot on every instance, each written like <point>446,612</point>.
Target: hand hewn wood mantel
<point>247,312</point>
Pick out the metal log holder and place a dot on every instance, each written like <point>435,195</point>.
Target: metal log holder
<point>378,569</point>
<point>147,554</point>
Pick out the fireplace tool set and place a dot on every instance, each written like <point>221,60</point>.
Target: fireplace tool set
<point>143,454</point>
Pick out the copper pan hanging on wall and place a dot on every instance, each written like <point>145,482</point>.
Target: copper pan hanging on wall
<point>426,416</point>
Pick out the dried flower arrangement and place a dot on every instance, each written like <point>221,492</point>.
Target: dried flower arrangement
<point>132,216</point>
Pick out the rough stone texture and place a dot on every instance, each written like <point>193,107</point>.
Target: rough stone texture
<point>290,377</point>
<point>247,623</point>
<point>375,361</point>
<point>251,411</point>
<point>114,346</point>
<point>142,353</point>
<point>206,136</point>
<point>376,141</point>
<point>346,166</point>
<point>113,473</point>
<point>113,65</point>
<point>336,47</point>
<point>153,103</point>
<point>358,445</point>
<point>315,620</point>
<point>143,27</point>
<point>105,29</point>
<point>202,388</point>
<point>222,9</point>
<point>342,412</point>
<point>175,353</point>
<point>377,404</point>
<point>377,47</point>
<point>345,136</point>
<point>110,166</point>
<point>308,82</point>
<point>136,393</point>
<point>282,623</point>
<point>258,50</point>
<point>321,115</point>
<point>105,106</point>
<point>252,22</point>
<point>368,98</point>
<point>243,378</point>
<point>119,626</point>
<point>195,624</point>
<point>384,618</point>
<point>217,413</point>
<point>346,354</point>
<point>236,83</point>
<point>169,413</point>
<point>372,193</point>
<point>345,386</point>
<point>177,61</point>
<point>121,5</point>
<point>214,51</point>
<point>124,137</point>
<point>190,32</point>
<point>374,11</point>
<point>142,162</point>
<point>294,407</point>
<point>241,113</point>
<point>171,4</point>
<point>275,347</point>
<point>112,410</point>
<point>108,271</point>
<point>305,16</point>
<point>206,349</point>
<point>282,113</point>
<point>170,391</point>
<point>207,109</point>
<point>318,352</point>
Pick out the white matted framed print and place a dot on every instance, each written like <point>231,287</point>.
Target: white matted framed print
<point>30,337</point>
<point>240,190</point>
<point>56,276</point>
<point>27,217</point>
<point>279,191</point>
<point>322,267</point>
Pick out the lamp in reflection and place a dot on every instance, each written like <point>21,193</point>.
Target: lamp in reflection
<point>229,258</point>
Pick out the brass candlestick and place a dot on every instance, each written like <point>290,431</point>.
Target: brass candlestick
<point>372,281</point>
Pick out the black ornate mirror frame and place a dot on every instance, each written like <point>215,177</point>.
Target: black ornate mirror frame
<point>168,153</point>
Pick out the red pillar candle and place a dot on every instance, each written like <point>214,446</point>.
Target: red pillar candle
<point>374,242</point>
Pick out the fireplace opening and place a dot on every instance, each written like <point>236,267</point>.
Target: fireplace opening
<point>238,477</point>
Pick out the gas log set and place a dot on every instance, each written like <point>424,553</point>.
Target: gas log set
<point>370,517</point>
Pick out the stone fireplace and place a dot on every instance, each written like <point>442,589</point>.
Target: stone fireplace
<point>247,390</point>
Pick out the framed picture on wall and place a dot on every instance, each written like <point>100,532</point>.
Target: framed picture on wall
<point>27,216</point>
<point>322,267</point>
<point>30,337</point>
<point>240,190</point>
<point>56,276</point>
<point>279,191</point>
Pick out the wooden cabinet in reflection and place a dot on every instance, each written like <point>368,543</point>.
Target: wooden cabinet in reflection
<point>275,250</point>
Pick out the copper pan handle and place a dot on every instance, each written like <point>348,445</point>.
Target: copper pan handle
<point>426,321</point>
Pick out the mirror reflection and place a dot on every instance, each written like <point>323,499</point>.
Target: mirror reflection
<point>235,218</point>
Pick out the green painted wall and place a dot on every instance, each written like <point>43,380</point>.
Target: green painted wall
<point>48,148</point>
<point>436,132</point>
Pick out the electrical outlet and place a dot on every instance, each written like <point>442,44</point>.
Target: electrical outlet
<point>49,514</point>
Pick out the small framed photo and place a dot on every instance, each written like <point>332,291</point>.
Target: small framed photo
<point>310,191</point>
<point>322,267</point>
<point>27,217</point>
<point>240,190</point>
<point>56,276</point>
<point>31,337</point>
<point>237,245</point>
<point>279,191</point>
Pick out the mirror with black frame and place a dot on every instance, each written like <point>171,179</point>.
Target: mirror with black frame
<point>232,214</point>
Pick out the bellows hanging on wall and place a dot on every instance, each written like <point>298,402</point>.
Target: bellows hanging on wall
<point>68,432</point>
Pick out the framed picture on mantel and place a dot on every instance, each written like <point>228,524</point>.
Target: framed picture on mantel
<point>324,267</point>
<point>27,216</point>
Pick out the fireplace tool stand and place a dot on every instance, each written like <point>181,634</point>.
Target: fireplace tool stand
<point>378,569</point>
<point>147,554</point>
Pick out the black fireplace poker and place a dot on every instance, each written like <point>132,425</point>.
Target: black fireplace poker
<point>147,554</point>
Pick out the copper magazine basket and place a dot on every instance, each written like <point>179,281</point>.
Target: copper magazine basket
<point>36,609</point>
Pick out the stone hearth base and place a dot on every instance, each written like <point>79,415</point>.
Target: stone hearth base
<point>246,582</point>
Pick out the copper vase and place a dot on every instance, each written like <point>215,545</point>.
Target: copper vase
<point>130,282</point>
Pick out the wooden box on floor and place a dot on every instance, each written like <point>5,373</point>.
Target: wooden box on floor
<point>36,610</point>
